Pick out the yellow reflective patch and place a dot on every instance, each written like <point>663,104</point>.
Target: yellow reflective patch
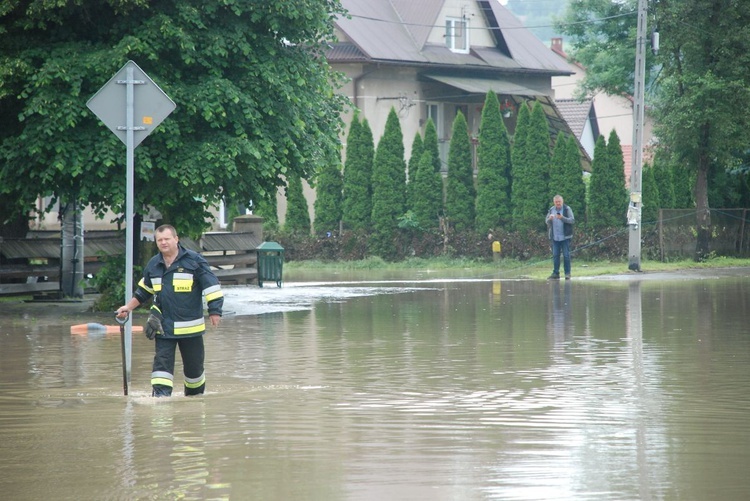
<point>182,285</point>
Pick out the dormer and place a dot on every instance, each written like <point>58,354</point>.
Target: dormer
<point>457,34</point>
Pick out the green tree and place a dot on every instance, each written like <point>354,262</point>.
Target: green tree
<point>427,194</point>
<point>683,187</point>
<point>605,47</point>
<point>493,210</point>
<point>608,200</point>
<point>460,195</point>
<point>329,201</point>
<point>575,187</point>
<point>557,179</point>
<point>254,97</point>
<point>530,194</point>
<point>663,179</point>
<point>430,144</point>
<point>703,79</point>
<point>297,214</point>
<point>360,151</point>
<point>388,188</point>
<point>417,147</point>
<point>268,210</point>
<point>650,193</point>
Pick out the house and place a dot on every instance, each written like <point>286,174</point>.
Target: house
<point>612,112</point>
<point>431,59</point>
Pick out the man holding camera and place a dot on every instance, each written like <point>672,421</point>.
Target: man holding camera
<point>560,222</point>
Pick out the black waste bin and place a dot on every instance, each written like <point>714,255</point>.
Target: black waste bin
<point>270,263</point>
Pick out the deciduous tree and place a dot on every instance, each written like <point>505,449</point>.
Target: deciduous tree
<point>255,101</point>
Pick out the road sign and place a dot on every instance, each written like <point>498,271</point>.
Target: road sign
<point>150,107</point>
<point>131,115</point>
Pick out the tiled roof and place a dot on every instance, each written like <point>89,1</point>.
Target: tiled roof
<point>575,113</point>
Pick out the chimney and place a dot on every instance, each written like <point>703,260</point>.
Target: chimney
<point>557,45</point>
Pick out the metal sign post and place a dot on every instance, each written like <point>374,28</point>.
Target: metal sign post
<point>115,104</point>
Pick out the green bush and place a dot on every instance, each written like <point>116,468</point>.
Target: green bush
<point>110,283</point>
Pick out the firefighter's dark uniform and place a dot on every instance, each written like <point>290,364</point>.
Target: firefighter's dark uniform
<point>178,293</point>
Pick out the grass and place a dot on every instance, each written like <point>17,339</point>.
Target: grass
<point>539,269</point>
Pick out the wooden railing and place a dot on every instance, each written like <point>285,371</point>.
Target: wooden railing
<point>31,265</point>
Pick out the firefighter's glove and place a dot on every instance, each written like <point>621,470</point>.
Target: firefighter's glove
<point>153,325</point>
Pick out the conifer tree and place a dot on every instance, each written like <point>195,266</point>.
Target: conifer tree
<point>663,179</point>
<point>329,201</point>
<point>493,210</point>
<point>427,194</point>
<point>598,202</point>
<point>557,179</point>
<point>460,195</point>
<point>530,181</point>
<point>417,147</point>
<point>608,198</point>
<point>683,187</point>
<point>388,188</point>
<point>357,206</point>
<point>575,187</point>
<point>430,144</point>
<point>650,192</point>
<point>268,210</point>
<point>297,213</point>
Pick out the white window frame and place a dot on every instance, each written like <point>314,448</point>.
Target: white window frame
<point>457,34</point>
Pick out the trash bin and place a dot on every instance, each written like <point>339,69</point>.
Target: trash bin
<point>270,263</point>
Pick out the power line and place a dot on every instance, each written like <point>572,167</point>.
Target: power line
<point>588,21</point>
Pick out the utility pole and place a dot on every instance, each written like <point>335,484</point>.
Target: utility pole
<point>636,171</point>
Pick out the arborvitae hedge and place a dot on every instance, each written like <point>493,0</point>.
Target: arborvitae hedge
<point>493,209</point>
<point>268,210</point>
<point>460,193</point>
<point>566,176</point>
<point>417,148</point>
<point>329,201</point>
<point>575,187</point>
<point>430,144</point>
<point>609,199</point>
<point>297,213</point>
<point>427,193</point>
<point>650,197</point>
<point>530,181</point>
<point>357,206</point>
<point>389,189</point>
<point>557,168</point>
<point>663,179</point>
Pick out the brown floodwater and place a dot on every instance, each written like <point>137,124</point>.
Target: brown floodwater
<point>419,389</point>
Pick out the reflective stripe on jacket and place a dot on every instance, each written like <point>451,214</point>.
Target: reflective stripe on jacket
<point>179,290</point>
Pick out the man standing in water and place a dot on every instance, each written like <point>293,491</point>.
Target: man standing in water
<point>560,222</point>
<point>177,279</point>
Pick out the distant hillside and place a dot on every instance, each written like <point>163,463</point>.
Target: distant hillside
<point>538,15</point>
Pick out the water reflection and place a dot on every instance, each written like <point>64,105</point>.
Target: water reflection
<point>481,389</point>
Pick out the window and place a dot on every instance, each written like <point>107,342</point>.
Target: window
<point>457,35</point>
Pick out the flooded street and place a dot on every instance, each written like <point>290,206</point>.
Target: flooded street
<point>388,389</point>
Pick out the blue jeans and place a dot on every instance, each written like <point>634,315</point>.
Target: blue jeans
<point>558,247</point>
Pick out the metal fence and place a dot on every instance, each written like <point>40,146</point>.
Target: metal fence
<point>729,232</point>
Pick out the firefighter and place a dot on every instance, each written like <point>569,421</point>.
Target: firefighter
<point>178,279</point>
